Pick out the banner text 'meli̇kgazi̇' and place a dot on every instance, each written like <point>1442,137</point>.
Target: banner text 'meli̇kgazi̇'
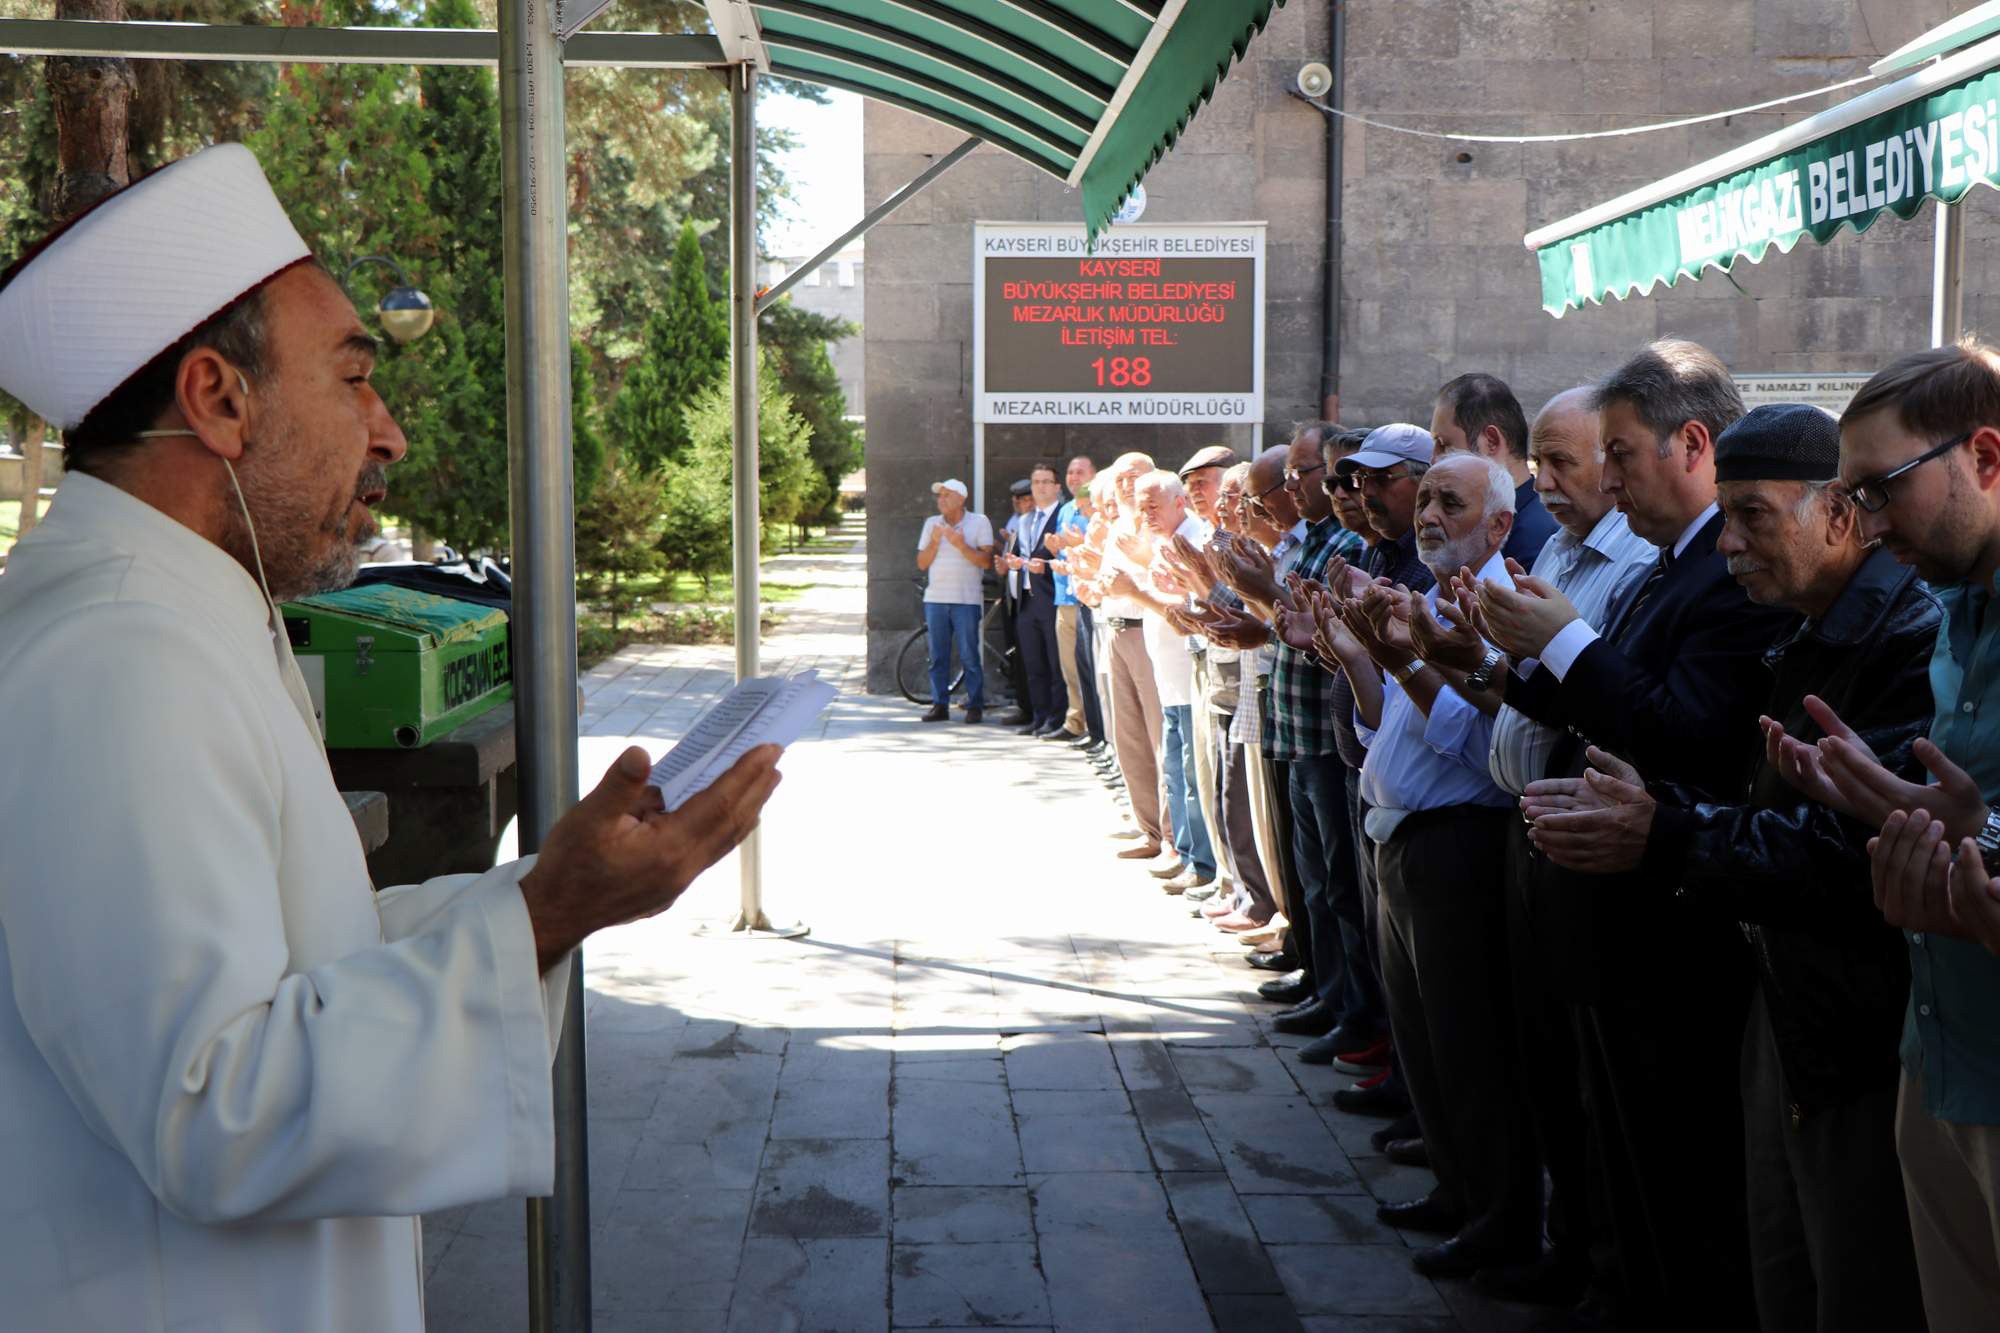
<point>1934,147</point>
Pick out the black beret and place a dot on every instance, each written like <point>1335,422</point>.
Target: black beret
<point>1779,442</point>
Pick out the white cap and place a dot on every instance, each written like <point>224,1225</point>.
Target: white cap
<point>953,485</point>
<point>133,276</point>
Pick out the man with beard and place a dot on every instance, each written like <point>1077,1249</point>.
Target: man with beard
<point>1829,1234</point>
<point>231,1074</point>
<point>1440,826</point>
<point>1597,562</point>
<point>1672,685</point>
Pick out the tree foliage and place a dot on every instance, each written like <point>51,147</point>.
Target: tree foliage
<point>686,352</point>
<point>797,341</point>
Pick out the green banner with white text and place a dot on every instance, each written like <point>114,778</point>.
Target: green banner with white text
<point>1936,147</point>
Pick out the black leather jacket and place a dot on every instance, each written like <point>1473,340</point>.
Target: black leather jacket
<point>1836,977</point>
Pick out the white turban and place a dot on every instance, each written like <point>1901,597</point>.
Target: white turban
<point>137,273</point>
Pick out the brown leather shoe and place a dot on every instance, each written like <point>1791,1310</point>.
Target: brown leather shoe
<point>1145,851</point>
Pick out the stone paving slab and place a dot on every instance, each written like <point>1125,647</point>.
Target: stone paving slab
<point>959,1103</point>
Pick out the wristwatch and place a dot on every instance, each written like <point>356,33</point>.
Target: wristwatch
<point>1988,839</point>
<point>1483,676</point>
<point>1401,675</point>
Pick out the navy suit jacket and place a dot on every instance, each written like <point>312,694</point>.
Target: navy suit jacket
<point>1034,546</point>
<point>1675,691</point>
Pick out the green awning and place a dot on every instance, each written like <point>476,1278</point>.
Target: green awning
<point>1933,135</point>
<point>1091,91</point>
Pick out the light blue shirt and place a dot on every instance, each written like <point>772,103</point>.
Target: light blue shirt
<point>1951,1033</point>
<point>1418,762</point>
<point>1068,519</point>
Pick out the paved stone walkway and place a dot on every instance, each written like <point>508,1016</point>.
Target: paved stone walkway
<point>1006,1082</point>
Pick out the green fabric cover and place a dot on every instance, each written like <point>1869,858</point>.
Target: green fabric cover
<point>1935,147</point>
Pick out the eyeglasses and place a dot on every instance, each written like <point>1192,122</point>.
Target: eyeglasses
<point>1294,475</point>
<point>1872,493</point>
<point>1360,478</point>
<point>1258,498</point>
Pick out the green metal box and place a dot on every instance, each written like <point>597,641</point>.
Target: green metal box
<point>393,668</point>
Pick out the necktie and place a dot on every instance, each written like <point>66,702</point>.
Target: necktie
<point>1646,591</point>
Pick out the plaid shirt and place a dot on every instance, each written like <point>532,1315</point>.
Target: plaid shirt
<point>1302,689</point>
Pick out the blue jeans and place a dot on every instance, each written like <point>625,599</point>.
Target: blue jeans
<point>957,623</point>
<point>1183,803</point>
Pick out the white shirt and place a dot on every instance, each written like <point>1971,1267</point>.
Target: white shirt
<point>1026,538</point>
<point>231,1075</point>
<point>1573,638</point>
<point>1173,666</point>
<point>953,578</point>
<point>1599,573</point>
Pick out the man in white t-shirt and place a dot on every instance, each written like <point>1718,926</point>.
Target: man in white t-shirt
<point>954,549</point>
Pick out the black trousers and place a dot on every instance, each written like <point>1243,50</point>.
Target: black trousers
<point>1665,1145</point>
<point>1017,676</point>
<point>1444,968</point>
<point>1041,660</point>
<point>1551,1069</point>
<point>1829,1228</point>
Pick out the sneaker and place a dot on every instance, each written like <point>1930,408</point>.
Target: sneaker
<point>1366,1061</point>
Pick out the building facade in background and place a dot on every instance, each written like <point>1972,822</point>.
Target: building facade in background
<point>834,289</point>
<point>1434,279</point>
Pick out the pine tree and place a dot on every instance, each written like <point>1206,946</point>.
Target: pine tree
<point>616,531</point>
<point>797,341</point>
<point>686,353</point>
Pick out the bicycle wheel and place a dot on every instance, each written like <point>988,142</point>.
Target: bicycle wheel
<point>913,667</point>
<point>996,656</point>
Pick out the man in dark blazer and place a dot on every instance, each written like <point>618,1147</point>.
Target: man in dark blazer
<point>1035,603</point>
<point>1672,685</point>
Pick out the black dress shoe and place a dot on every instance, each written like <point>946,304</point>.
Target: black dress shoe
<point>1288,989</point>
<point>1549,1280</point>
<point>1085,742</point>
<point>1407,1152</point>
<point>938,713</point>
<point>1429,1213</point>
<point>1056,733</point>
<point>1016,718</point>
<point>1311,1019</point>
<point>1461,1256</point>
<point>1402,1127</point>
<point>1272,960</point>
<point>1372,1096</point>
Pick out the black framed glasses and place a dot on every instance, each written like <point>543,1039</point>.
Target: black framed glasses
<point>1872,493</point>
<point>1257,498</point>
<point>1294,475</point>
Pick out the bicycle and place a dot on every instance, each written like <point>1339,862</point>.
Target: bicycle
<point>913,662</point>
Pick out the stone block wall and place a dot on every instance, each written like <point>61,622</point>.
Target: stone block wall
<point>1435,278</point>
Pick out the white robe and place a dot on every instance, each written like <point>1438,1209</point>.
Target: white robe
<point>231,1076</point>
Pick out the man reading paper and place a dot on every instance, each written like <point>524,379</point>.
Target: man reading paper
<point>232,1075</point>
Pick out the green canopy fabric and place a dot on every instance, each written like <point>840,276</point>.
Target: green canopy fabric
<point>1091,91</point>
<point>1933,135</point>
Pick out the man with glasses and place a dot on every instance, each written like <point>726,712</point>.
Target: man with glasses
<point>1302,737</point>
<point>1920,451</point>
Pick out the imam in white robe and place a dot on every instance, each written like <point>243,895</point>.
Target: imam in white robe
<point>231,1076</point>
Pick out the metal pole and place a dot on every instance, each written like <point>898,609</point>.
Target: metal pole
<point>978,466</point>
<point>1336,170</point>
<point>749,518</point>
<point>910,190</point>
<point>538,448</point>
<point>1947,285</point>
